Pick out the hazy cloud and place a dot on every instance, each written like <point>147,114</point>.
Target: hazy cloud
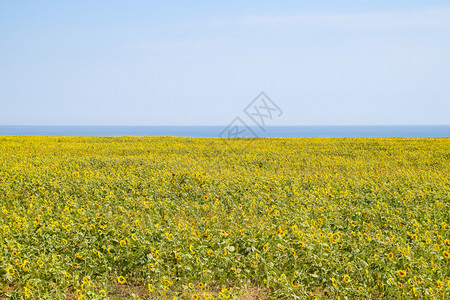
<point>426,19</point>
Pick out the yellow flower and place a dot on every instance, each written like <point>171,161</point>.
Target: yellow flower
<point>346,278</point>
<point>121,279</point>
<point>79,255</point>
<point>337,236</point>
<point>123,243</point>
<point>446,254</point>
<point>234,270</point>
<point>10,270</point>
<point>200,284</point>
<point>390,255</point>
<point>401,273</point>
<point>29,284</point>
<point>190,248</point>
<point>195,296</point>
<point>266,247</point>
<point>295,286</point>
<point>27,295</point>
<point>101,225</point>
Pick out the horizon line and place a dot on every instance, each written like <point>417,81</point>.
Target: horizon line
<point>298,125</point>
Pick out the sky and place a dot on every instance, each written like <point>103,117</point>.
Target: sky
<point>351,62</point>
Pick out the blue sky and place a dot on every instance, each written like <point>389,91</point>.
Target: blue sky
<point>201,62</point>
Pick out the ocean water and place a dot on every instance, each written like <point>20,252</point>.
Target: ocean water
<point>420,131</point>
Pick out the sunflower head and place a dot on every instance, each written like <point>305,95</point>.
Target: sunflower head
<point>121,279</point>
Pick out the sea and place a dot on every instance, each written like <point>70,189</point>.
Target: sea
<point>409,131</point>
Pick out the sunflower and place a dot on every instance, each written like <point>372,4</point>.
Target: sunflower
<point>211,253</point>
<point>346,278</point>
<point>195,296</point>
<point>337,236</point>
<point>446,254</point>
<point>200,284</point>
<point>282,278</point>
<point>295,286</point>
<point>266,247</point>
<point>390,255</point>
<point>401,273</point>
<point>102,225</point>
<point>121,279</point>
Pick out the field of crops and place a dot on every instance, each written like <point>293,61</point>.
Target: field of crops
<point>187,218</point>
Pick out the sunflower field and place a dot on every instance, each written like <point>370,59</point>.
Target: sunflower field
<point>205,218</point>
